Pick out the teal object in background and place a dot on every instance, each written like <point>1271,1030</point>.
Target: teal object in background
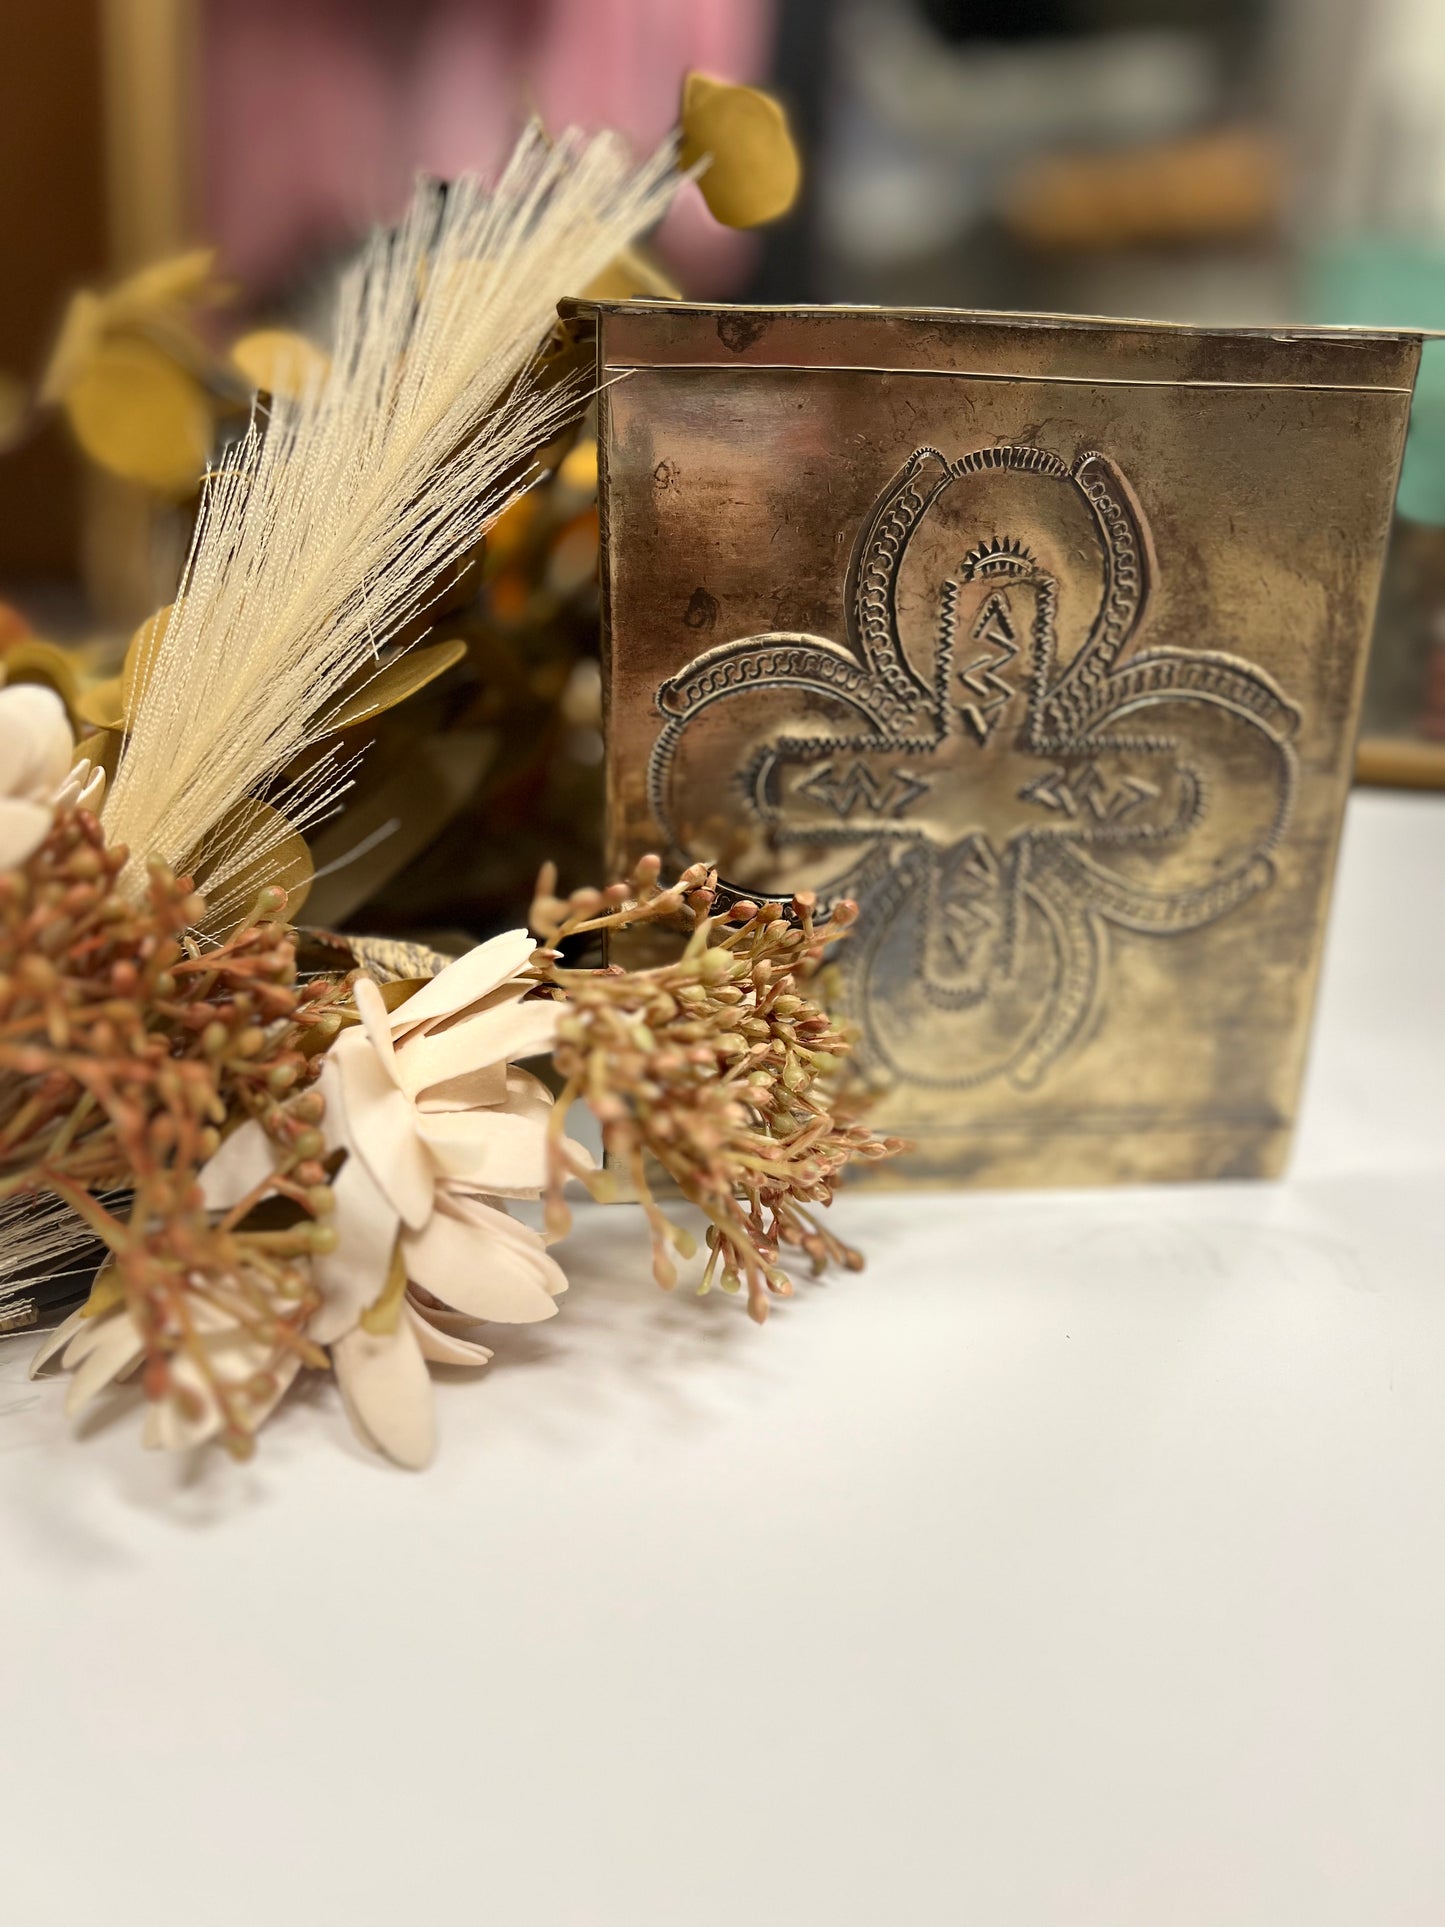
<point>1394,283</point>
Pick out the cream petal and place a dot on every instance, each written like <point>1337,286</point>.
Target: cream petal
<point>24,826</point>
<point>212,1320</point>
<point>333,1096</point>
<point>56,1341</point>
<point>578,1155</point>
<point>167,1428</point>
<point>284,1371</point>
<point>512,991</point>
<point>233,1358</point>
<point>467,1267</point>
<point>456,1324</point>
<point>510,1031</point>
<point>54,743</point>
<point>87,1336</point>
<point>485,1209</point>
<point>36,746</point>
<point>387,1392</point>
<point>377,1025</point>
<point>17,745</point>
<point>83,788</point>
<point>353,1275</point>
<point>462,983</point>
<point>481,1090</point>
<point>528,1096</point>
<point>243,1161</point>
<point>382,1125</point>
<point>499,1223</point>
<point>489,1150</point>
<point>443,1347</point>
<point>117,1348</point>
<point>237,1359</point>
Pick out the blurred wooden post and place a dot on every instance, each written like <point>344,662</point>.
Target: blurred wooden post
<point>148,65</point>
<point>148,60</point>
<point>52,217</point>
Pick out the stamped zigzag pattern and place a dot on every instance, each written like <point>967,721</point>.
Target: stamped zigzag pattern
<point>976,915</point>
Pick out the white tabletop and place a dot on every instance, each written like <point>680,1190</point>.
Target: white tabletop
<point>1082,1562</point>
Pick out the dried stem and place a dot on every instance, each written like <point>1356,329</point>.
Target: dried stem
<point>719,1067</point>
<point>125,1048</point>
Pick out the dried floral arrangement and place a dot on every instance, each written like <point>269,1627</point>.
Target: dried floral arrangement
<point>267,1146</point>
<point>494,766</point>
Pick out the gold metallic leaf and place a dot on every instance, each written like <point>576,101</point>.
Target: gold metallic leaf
<point>80,332</point>
<point>396,993</point>
<point>279,361</point>
<point>286,861</point>
<point>753,171</point>
<point>633,272</point>
<point>107,1291</point>
<point>110,702</point>
<point>31,660</point>
<point>101,750</point>
<point>102,704</point>
<point>153,304</point>
<point>139,662</point>
<point>177,281</point>
<point>394,681</point>
<point>139,414</point>
<point>388,825</point>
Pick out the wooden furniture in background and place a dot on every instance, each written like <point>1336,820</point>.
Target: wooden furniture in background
<point>52,237</point>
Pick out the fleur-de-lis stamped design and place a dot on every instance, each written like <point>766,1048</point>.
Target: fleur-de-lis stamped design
<point>990,761</point>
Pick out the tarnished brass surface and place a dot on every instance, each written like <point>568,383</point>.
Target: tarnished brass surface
<point>1044,639</point>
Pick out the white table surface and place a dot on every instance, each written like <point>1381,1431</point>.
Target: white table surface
<point>1082,1562</point>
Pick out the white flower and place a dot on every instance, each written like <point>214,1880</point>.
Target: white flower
<point>37,751</point>
<point>107,1349</point>
<point>439,1127</point>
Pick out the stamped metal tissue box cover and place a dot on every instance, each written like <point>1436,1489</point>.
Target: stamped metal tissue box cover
<point>1042,638</point>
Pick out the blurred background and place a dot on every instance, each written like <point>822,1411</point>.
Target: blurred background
<point>1219,161</point>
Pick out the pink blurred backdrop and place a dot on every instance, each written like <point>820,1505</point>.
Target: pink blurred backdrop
<point>316,114</point>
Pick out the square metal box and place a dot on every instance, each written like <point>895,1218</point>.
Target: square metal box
<point>1041,637</point>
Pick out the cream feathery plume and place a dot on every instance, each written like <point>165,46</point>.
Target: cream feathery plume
<point>325,528</point>
<point>36,1233</point>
